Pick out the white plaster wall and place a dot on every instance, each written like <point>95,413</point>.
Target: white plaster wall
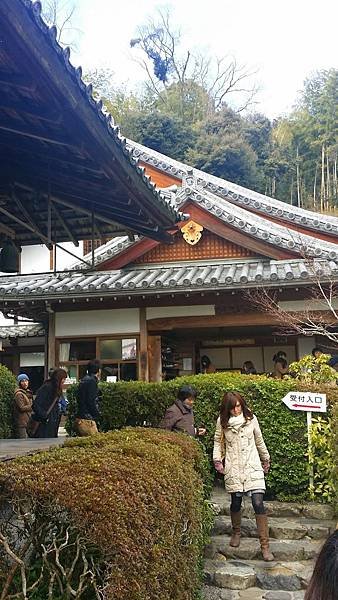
<point>32,359</point>
<point>301,305</point>
<point>305,345</point>
<point>195,310</point>
<point>99,322</point>
<point>35,259</point>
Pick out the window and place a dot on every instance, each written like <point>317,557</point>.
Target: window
<point>118,356</point>
<point>124,349</point>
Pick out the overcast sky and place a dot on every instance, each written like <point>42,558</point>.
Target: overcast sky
<point>284,40</point>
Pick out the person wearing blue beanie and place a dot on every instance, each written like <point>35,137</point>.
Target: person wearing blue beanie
<point>22,407</point>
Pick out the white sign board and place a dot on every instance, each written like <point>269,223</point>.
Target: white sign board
<point>306,401</point>
<point>70,380</point>
<point>111,379</point>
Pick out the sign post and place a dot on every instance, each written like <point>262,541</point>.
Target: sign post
<point>308,402</point>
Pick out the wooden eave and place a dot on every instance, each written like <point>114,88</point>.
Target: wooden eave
<point>61,158</point>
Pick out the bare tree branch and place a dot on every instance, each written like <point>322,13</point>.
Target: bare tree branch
<point>60,13</point>
<point>218,77</point>
<point>319,316</point>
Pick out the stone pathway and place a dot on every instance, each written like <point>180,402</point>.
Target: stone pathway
<point>297,532</point>
<point>12,448</point>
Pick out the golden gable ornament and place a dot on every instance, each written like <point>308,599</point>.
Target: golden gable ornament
<point>192,232</point>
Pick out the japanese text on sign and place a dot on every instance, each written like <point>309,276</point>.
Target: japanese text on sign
<point>306,401</point>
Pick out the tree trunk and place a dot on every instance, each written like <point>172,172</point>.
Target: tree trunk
<point>291,192</point>
<point>328,186</point>
<point>273,187</point>
<point>322,184</point>
<point>299,200</point>
<point>314,189</point>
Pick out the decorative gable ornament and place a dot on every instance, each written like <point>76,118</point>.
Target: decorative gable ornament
<point>192,232</point>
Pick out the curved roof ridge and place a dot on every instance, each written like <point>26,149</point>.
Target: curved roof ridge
<point>50,33</point>
<point>237,194</point>
<point>105,251</point>
<point>257,226</point>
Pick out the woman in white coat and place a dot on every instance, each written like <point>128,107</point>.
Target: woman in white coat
<point>239,443</point>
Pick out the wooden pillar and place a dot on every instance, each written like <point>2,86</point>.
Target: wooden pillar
<point>16,361</point>
<point>154,358</point>
<point>143,357</point>
<point>51,341</point>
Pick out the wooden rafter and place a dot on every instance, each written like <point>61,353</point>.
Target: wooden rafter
<point>64,224</point>
<point>28,217</point>
<point>21,130</point>
<point>17,80</point>
<point>30,109</point>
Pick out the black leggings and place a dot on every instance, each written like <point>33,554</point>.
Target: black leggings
<point>256,499</point>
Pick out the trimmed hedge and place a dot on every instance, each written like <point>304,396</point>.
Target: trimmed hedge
<point>334,447</point>
<point>7,387</point>
<point>285,432</point>
<point>132,501</point>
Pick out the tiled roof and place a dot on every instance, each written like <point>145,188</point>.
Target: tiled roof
<point>106,251</point>
<point>237,194</point>
<point>256,225</point>
<point>87,92</point>
<point>21,330</point>
<point>101,155</point>
<point>243,220</point>
<point>163,279</point>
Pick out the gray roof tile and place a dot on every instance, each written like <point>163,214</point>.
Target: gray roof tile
<point>50,34</point>
<point>21,330</point>
<point>168,278</point>
<point>234,193</point>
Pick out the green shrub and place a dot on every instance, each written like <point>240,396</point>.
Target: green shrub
<point>322,460</point>
<point>7,387</point>
<point>334,449</point>
<point>285,431</point>
<point>132,504</point>
<point>314,370</point>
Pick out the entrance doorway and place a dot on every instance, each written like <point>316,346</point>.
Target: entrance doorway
<point>227,349</point>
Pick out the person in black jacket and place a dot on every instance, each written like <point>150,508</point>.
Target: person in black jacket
<point>46,405</point>
<point>88,395</point>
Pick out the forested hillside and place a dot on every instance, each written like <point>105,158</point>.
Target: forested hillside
<point>201,110</point>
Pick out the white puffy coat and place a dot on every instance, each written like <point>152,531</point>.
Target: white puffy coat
<point>243,450</point>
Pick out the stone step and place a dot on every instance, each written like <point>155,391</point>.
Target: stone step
<point>220,501</point>
<point>249,549</point>
<point>279,528</point>
<point>240,575</point>
<point>253,593</point>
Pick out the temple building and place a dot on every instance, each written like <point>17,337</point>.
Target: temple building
<point>149,309</point>
<point>185,248</point>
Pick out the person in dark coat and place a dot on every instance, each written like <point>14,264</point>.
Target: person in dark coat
<point>206,365</point>
<point>323,584</point>
<point>248,368</point>
<point>22,406</point>
<point>46,405</point>
<point>88,413</point>
<point>179,416</point>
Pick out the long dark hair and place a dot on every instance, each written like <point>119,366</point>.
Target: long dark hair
<point>229,402</point>
<point>324,581</point>
<point>56,378</point>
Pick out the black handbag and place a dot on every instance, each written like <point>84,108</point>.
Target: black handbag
<point>35,420</point>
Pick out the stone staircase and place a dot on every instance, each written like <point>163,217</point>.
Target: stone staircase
<point>297,532</point>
